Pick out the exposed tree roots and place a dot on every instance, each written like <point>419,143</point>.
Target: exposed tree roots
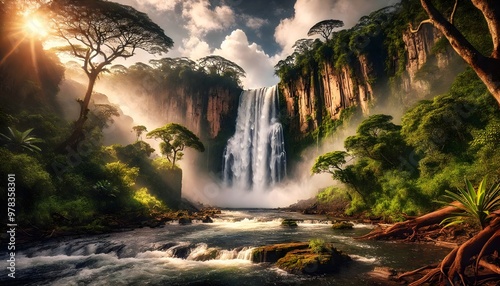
<point>475,262</point>
<point>461,265</point>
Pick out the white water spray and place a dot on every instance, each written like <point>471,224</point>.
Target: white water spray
<point>255,156</point>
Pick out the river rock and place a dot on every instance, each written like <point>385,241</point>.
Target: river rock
<point>305,261</point>
<point>185,220</point>
<point>342,225</point>
<point>289,222</point>
<point>272,253</point>
<point>207,219</point>
<point>299,258</point>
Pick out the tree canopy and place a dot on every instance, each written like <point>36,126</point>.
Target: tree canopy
<point>221,66</point>
<point>139,129</point>
<point>175,139</point>
<point>325,28</point>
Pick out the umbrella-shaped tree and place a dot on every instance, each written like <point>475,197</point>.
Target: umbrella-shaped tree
<point>175,138</point>
<point>97,33</point>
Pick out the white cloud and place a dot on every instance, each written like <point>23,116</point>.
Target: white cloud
<point>201,18</point>
<point>254,22</point>
<point>259,66</point>
<point>194,48</point>
<point>160,5</point>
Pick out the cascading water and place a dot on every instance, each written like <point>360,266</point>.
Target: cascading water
<point>255,156</point>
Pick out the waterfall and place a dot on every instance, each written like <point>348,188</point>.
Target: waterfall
<point>255,156</point>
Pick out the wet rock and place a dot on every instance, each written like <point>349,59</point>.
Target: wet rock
<point>207,219</point>
<point>299,258</point>
<point>342,225</point>
<point>185,220</point>
<point>272,253</point>
<point>305,261</point>
<point>289,222</point>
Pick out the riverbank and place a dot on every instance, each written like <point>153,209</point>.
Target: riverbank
<point>112,223</point>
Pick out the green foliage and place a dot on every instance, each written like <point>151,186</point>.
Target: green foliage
<point>62,212</point>
<point>476,204</point>
<point>175,138</point>
<point>144,197</point>
<point>18,140</point>
<point>318,245</point>
<point>331,162</point>
<point>331,194</point>
<point>401,170</point>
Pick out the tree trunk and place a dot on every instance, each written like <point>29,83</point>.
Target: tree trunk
<point>77,135</point>
<point>487,68</point>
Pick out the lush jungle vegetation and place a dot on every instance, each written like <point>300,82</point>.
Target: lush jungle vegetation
<point>395,170</point>
<point>91,186</point>
<point>398,170</point>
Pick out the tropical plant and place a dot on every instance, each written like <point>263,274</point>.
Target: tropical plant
<point>474,204</point>
<point>18,140</point>
<point>104,187</point>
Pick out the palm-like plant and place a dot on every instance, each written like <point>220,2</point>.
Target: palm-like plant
<point>19,140</point>
<point>474,204</point>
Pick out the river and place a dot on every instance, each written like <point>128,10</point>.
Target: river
<point>207,254</point>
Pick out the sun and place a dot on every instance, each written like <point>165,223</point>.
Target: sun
<point>34,27</point>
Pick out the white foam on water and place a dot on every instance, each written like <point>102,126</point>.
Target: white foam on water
<point>370,260</point>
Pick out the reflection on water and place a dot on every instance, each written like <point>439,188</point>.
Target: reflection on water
<point>207,254</point>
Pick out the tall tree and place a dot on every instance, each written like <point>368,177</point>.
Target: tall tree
<point>139,129</point>
<point>175,139</point>
<point>98,32</point>
<point>486,67</point>
<point>325,28</point>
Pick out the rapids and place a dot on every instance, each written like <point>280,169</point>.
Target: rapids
<point>206,254</point>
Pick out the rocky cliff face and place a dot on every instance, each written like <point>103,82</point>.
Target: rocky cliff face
<point>204,113</point>
<point>204,108</point>
<point>423,62</point>
<point>308,100</point>
<point>363,82</point>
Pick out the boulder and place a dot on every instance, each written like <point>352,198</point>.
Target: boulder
<point>342,225</point>
<point>300,258</point>
<point>207,219</point>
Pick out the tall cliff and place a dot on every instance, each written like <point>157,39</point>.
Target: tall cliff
<point>206,113</point>
<point>366,68</point>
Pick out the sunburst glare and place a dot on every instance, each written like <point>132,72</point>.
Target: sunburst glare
<point>34,27</point>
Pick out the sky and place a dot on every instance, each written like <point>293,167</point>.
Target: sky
<point>255,34</point>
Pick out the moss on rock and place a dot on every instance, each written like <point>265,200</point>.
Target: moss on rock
<point>300,258</point>
<point>342,225</point>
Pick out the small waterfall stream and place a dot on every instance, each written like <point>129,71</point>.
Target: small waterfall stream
<point>255,156</point>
